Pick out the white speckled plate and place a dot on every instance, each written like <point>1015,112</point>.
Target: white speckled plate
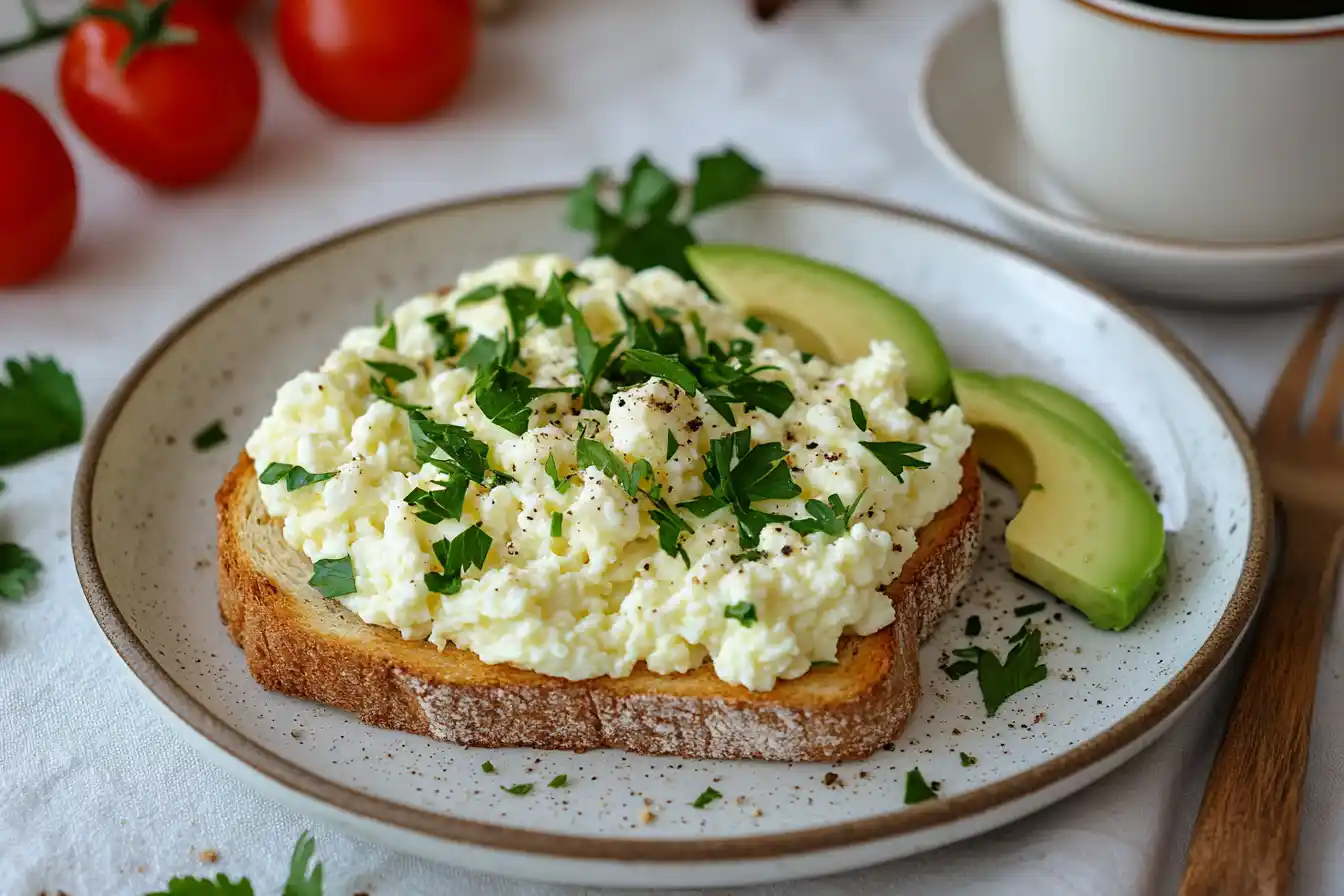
<point>144,540</point>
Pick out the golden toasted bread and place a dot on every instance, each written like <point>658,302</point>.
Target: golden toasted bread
<point>301,643</point>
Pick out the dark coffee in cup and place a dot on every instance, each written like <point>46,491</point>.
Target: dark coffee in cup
<point>1260,10</point>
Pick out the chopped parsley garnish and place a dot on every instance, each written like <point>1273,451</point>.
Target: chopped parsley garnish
<point>456,555</point>
<point>483,293</point>
<point>211,436</point>
<point>40,409</point>
<point>708,796</point>
<point>972,626</point>
<point>917,790</point>
<point>1028,609</point>
<point>333,578</point>
<point>962,667</point>
<point>806,356</point>
<point>895,456</point>
<point>557,523</point>
<point>483,352</point>
<point>518,789</point>
<point>397,373</point>
<point>445,335</point>
<point>379,387</point>
<point>754,324</point>
<point>521,303</point>
<point>744,611</point>
<point>451,448</point>
<point>18,571</point>
<point>389,337</point>
<point>856,412</point>
<point>739,473</point>
<point>437,505</point>
<point>592,453</point>
<point>671,527</point>
<point>294,476</point>
<point>664,367</point>
<point>488,767</point>
<point>559,781</point>
<point>1020,633</point>
<point>832,520</point>
<point>505,397</point>
<point>562,483</point>
<point>644,231</point>
<point>1001,680</point>
<point>747,555</point>
<point>672,445</point>
<point>592,357</point>
<point>967,760</point>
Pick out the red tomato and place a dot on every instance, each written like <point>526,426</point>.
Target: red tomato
<point>37,192</point>
<point>375,60</point>
<point>229,9</point>
<point>176,114</point>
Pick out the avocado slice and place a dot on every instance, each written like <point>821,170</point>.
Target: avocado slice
<point>1068,406</point>
<point>1088,531</point>
<point>828,310</point>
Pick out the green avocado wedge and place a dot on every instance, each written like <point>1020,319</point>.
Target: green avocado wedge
<point>828,311</point>
<point>1068,406</point>
<point>1088,531</point>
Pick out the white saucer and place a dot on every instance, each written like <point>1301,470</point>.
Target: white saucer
<point>964,114</point>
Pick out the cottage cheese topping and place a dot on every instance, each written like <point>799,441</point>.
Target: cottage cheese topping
<point>603,596</point>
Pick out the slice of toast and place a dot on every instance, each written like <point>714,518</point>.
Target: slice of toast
<point>300,643</point>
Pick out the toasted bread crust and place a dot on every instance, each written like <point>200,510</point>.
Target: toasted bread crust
<point>299,643</point>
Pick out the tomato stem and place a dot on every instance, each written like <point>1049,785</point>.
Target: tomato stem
<point>40,29</point>
<point>148,27</point>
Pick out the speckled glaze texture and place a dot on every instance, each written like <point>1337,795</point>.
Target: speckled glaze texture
<point>144,533</point>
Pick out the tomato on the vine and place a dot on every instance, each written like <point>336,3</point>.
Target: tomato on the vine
<point>170,92</point>
<point>374,60</point>
<point>38,202</point>
<point>229,9</point>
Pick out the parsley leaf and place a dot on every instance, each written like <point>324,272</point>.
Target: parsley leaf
<point>551,308</point>
<point>672,445</point>
<point>505,397</point>
<point>559,781</point>
<point>592,453</point>
<point>1019,671</point>
<point>334,578</point>
<point>895,456</point>
<point>465,453</point>
<point>40,409</point>
<point>708,796</point>
<point>722,179</point>
<point>744,611</point>
<point>562,483</point>
<point>518,789</point>
<point>670,528</point>
<point>557,523</point>
<point>397,373</point>
<point>18,571</point>
<point>967,760</point>
<point>917,790</point>
<point>754,324</point>
<point>972,626</point>
<point>1028,609</point>
<point>739,473</point>
<point>380,389</point>
<point>664,367</point>
<point>488,767</point>
<point>657,243</point>
<point>961,667</point>
<point>210,437</point>
<point>302,881</point>
<point>482,293</point>
<point>439,504</point>
<point>389,337</point>
<point>445,335</point>
<point>204,886</point>
<point>592,356</point>
<point>521,303</point>
<point>294,476</point>
<point>482,353</point>
<point>456,555</point>
<point>832,520</point>
<point>856,412</point>
<point>747,555</point>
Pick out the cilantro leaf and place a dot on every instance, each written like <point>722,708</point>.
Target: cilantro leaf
<point>559,781</point>
<point>40,409</point>
<point>917,790</point>
<point>437,505</point>
<point>895,456</point>
<point>518,789</point>
<point>708,796</point>
<point>664,367</point>
<point>204,886</point>
<point>832,518</point>
<point>456,555</point>
<point>672,445</point>
<point>18,571</point>
<point>445,335</point>
<point>389,337</point>
<point>333,578</point>
<point>1019,671</point>
<point>743,611</point>
<point>381,390</point>
<point>303,880</point>
<point>483,293</point>
<point>397,373</point>
<point>722,179</point>
<point>294,476</point>
<point>856,412</point>
<point>211,436</point>
<point>562,483</point>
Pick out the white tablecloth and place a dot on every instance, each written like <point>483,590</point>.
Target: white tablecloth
<point>98,796</point>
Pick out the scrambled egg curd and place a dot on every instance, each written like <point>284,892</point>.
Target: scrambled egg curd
<point>587,569</point>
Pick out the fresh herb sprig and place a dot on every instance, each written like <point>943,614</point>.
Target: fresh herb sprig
<point>831,518</point>
<point>671,526</point>
<point>40,409</point>
<point>305,878</point>
<point>1019,670</point>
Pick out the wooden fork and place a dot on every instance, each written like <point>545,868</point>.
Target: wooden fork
<point>1245,838</point>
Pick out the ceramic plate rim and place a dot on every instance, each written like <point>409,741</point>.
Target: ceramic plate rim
<point>373,809</point>
<point>1072,226</point>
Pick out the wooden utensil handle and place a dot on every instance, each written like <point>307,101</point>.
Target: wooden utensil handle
<point>1245,838</point>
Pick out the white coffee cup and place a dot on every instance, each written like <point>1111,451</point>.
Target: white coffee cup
<point>1184,126</point>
